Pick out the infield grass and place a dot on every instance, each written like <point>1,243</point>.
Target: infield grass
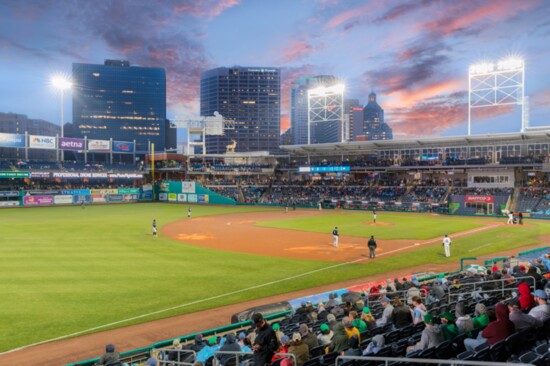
<point>66,269</point>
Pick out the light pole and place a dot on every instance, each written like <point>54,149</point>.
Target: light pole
<point>61,84</point>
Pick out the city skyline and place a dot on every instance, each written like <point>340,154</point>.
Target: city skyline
<point>414,54</point>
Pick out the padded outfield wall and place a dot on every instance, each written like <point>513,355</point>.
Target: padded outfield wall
<point>189,192</point>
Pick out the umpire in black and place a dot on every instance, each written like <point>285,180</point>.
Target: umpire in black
<point>372,247</point>
<point>266,344</point>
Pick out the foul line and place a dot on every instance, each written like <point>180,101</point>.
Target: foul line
<point>236,292</point>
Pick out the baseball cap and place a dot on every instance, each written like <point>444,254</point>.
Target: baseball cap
<point>366,309</point>
<point>324,327</point>
<point>152,362</point>
<point>514,303</point>
<point>212,340</point>
<point>540,293</point>
<point>385,299</point>
<point>428,318</point>
<point>257,318</point>
<point>285,338</point>
<point>447,315</point>
<point>276,326</point>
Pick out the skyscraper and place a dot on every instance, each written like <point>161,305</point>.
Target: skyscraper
<point>19,124</point>
<point>353,119</point>
<point>374,126</point>
<point>328,131</point>
<point>122,102</point>
<point>251,96</point>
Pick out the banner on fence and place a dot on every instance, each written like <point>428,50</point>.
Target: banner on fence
<point>12,140</point>
<point>98,198</point>
<point>114,197</point>
<point>99,145</point>
<point>37,200</point>
<point>15,174</point>
<point>187,187</point>
<point>67,143</point>
<point>9,203</point>
<point>63,200</point>
<point>163,196</point>
<point>172,197</point>
<point>79,198</point>
<point>203,198</point>
<point>480,199</point>
<point>182,197</point>
<point>42,142</point>
<point>123,147</point>
<point>9,193</point>
<point>192,198</point>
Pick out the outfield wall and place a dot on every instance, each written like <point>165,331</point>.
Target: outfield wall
<point>189,192</point>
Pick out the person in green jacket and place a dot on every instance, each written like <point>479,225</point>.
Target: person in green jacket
<point>481,318</point>
<point>448,326</point>
<point>340,339</point>
<point>357,322</point>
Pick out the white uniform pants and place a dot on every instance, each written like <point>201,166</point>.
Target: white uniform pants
<point>447,250</point>
<point>335,241</point>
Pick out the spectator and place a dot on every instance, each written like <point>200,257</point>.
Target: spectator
<point>437,290</point>
<point>308,337</point>
<point>375,345</point>
<point>326,335</point>
<point>520,319</point>
<point>209,350</point>
<point>229,345</point>
<point>526,300</point>
<point>331,319</point>
<point>198,343</point>
<point>398,285</point>
<point>110,356</point>
<point>386,314</point>
<point>174,353</point>
<point>353,350</point>
<point>340,339</point>
<point>413,291</point>
<point>357,322</point>
<point>265,344</point>
<point>367,317</point>
<point>277,329</point>
<point>321,312</point>
<point>401,314</point>
<point>496,331</point>
<point>448,326</point>
<point>350,329</point>
<point>419,310</point>
<point>463,321</point>
<point>431,335</point>
<point>299,349</point>
<point>481,319</point>
<point>542,310</point>
<point>152,362</point>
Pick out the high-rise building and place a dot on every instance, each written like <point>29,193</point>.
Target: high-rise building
<point>353,119</point>
<point>320,132</point>
<point>251,96</point>
<point>122,102</point>
<point>19,124</point>
<point>374,126</point>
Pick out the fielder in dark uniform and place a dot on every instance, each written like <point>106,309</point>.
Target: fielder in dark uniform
<point>335,236</point>
<point>266,344</point>
<point>372,247</point>
<point>154,228</point>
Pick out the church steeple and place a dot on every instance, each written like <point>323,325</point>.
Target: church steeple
<point>372,97</point>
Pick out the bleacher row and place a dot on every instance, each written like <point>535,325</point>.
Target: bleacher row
<point>477,296</point>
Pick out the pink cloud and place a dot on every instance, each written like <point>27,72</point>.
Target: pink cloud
<point>204,8</point>
<point>296,50</point>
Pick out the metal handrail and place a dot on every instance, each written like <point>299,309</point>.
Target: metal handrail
<point>387,361</point>
<point>478,285</point>
<point>236,353</point>
<point>178,361</point>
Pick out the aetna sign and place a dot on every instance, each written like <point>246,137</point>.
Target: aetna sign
<point>71,144</point>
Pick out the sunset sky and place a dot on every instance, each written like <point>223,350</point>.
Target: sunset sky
<point>414,54</point>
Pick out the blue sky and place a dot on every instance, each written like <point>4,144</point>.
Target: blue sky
<point>414,54</point>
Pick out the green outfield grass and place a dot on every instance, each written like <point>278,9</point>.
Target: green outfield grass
<point>401,226</point>
<point>67,269</point>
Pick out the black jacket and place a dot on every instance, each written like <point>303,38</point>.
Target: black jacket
<point>372,243</point>
<point>267,340</point>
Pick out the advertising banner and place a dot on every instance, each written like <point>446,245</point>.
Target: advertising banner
<point>114,197</point>
<point>40,174</point>
<point>480,199</point>
<point>9,193</point>
<point>9,203</point>
<point>42,142</point>
<point>99,145</point>
<point>82,197</point>
<point>187,187</point>
<point>75,191</point>
<point>98,198</point>
<point>164,187</point>
<point>105,191</point>
<point>172,197</point>
<point>123,147</point>
<point>12,140</point>
<point>63,200</point>
<point>66,143</point>
<point>203,198</point>
<point>182,197</point>
<point>37,200</point>
<point>130,197</point>
<point>192,198</point>
<point>128,191</point>
<point>15,174</point>
<point>126,175</point>
<point>163,196</point>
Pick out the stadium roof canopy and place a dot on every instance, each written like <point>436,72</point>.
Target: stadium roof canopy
<point>366,147</point>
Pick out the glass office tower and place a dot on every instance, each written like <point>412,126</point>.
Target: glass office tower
<point>251,96</point>
<point>122,102</point>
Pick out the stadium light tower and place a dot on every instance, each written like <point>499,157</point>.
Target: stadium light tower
<point>61,83</point>
<point>492,84</point>
<point>325,104</point>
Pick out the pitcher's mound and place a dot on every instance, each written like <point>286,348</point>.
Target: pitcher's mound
<point>378,223</point>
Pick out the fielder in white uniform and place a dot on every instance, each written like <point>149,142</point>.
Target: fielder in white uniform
<point>335,237</point>
<point>510,218</point>
<point>447,245</point>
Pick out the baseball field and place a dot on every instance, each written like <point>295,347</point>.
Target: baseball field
<point>68,271</point>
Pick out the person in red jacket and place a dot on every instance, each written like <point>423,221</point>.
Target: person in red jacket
<point>526,300</point>
<point>495,331</point>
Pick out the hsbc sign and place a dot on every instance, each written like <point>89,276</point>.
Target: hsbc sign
<point>42,142</point>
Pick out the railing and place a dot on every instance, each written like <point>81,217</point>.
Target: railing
<point>237,354</point>
<point>178,361</point>
<point>477,287</point>
<point>424,361</point>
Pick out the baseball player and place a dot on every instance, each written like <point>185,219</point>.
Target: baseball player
<point>335,237</point>
<point>510,218</point>
<point>372,247</point>
<point>374,215</point>
<point>188,212</point>
<point>447,245</point>
<point>154,228</point>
